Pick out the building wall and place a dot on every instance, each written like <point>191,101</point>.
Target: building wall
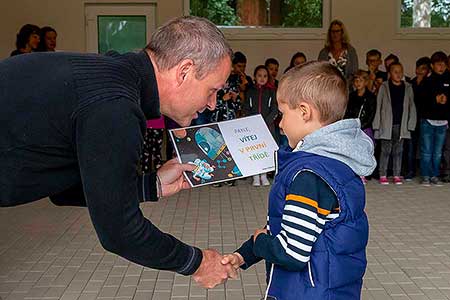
<point>371,24</point>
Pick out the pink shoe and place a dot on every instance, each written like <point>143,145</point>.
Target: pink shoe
<point>398,180</point>
<point>383,180</point>
<point>364,180</point>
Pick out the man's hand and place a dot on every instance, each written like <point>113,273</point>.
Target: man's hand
<point>171,177</point>
<point>258,232</point>
<point>234,259</point>
<point>211,271</point>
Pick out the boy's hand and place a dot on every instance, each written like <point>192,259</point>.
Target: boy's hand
<point>235,259</point>
<point>441,99</point>
<point>258,232</point>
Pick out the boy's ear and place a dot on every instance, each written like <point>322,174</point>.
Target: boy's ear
<point>305,110</point>
<point>184,69</point>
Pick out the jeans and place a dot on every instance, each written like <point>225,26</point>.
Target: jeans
<point>393,147</point>
<point>432,140</point>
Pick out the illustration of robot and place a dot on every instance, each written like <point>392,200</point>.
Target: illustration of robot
<point>203,170</point>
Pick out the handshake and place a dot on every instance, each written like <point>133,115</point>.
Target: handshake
<point>215,269</point>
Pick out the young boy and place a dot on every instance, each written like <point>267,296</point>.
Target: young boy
<point>317,231</point>
<point>272,65</point>
<point>362,104</point>
<point>394,120</point>
<point>435,111</point>
<point>373,61</point>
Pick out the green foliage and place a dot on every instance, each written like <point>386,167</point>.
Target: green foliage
<point>302,13</point>
<point>219,12</point>
<point>440,13</point>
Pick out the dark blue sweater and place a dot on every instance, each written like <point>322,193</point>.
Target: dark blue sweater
<point>71,128</point>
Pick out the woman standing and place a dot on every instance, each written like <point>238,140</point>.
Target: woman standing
<point>338,50</point>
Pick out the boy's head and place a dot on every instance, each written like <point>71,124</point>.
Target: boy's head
<point>373,59</point>
<point>423,66</point>
<point>360,80</point>
<point>261,75</point>
<point>272,65</point>
<point>310,96</point>
<point>439,62</point>
<point>239,62</point>
<point>391,58</point>
<point>396,72</point>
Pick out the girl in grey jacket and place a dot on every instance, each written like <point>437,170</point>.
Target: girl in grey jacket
<point>395,118</point>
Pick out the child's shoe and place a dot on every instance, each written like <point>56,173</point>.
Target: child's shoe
<point>264,180</point>
<point>256,181</point>
<point>383,180</point>
<point>398,180</point>
<point>364,180</point>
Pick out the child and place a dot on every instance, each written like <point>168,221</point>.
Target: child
<point>434,123</point>
<point>395,118</point>
<point>317,229</point>
<point>261,99</point>
<point>362,104</point>
<point>373,61</point>
<point>239,65</point>
<point>296,59</point>
<point>272,65</point>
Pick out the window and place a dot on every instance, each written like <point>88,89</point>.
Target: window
<point>425,14</point>
<point>265,19</point>
<point>121,33</point>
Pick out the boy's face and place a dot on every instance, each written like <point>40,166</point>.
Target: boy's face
<point>359,83</point>
<point>387,63</point>
<point>396,73</point>
<point>422,71</point>
<point>239,68</point>
<point>273,70</point>
<point>373,62</point>
<point>261,77</point>
<point>291,123</point>
<point>439,67</point>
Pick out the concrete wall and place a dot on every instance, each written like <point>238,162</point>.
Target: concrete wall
<point>371,24</point>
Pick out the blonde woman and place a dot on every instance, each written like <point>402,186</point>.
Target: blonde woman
<point>338,50</point>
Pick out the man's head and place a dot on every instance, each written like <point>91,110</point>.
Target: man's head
<point>272,65</point>
<point>439,62</point>
<point>360,80</point>
<point>310,96</point>
<point>239,62</point>
<point>373,59</point>
<point>391,58</point>
<point>423,66</point>
<point>192,62</point>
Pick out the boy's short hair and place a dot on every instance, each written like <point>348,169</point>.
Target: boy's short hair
<point>438,56</point>
<point>361,74</point>
<point>373,52</point>
<point>271,61</point>
<point>392,57</point>
<point>259,68</point>
<point>239,57</point>
<point>395,63</point>
<point>423,61</point>
<point>319,84</point>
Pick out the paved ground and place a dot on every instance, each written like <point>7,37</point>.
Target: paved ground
<point>49,252</point>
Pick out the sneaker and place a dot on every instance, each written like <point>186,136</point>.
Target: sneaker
<point>264,180</point>
<point>425,181</point>
<point>256,181</point>
<point>435,181</point>
<point>398,180</point>
<point>364,180</point>
<point>383,180</point>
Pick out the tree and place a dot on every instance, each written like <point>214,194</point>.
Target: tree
<point>425,13</point>
<point>302,13</point>
<point>220,12</point>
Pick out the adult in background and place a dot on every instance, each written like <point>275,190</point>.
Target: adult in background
<point>47,39</point>
<point>76,136</point>
<point>338,50</point>
<point>27,39</point>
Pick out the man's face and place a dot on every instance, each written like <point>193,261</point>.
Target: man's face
<point>439,67</point>
<point>194,95</point>
<point>239,68</point>
<point>273,70</point>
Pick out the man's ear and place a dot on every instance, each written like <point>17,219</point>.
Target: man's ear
<point>184,69</point>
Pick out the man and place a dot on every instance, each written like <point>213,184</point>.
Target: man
<point>72,125</point>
